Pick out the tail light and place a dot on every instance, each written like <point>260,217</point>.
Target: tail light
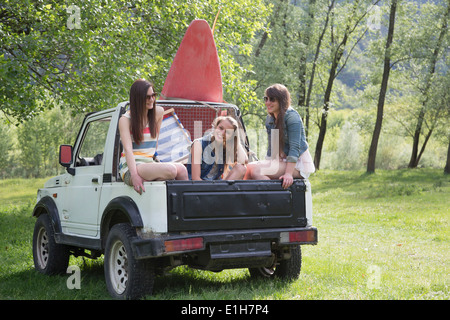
<point>305,236</point>
<point>183,244</point>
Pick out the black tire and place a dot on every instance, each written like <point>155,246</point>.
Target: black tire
<point>286,269</point>
<point>49,257</point>
<point>126,277</point>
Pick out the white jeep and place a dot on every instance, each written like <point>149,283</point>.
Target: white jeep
<point>210,225</point>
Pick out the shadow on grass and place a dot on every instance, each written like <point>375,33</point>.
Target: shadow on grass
<point>187,284</point>
<point>31,285</point>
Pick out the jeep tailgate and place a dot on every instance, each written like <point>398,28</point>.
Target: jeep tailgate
<point>223,205</point>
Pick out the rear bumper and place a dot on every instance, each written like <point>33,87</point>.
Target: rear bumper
<point>223,243</point>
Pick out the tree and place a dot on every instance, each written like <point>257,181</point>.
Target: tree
<point>352,21</point>
<point>383,90</point>
<point>313,68</point>
<point>440,99</point>
<point>5,148</point>
<point>265,35</point>
<point>39,140</point>
<point>88,53</point>
<point>276,53</point>
<point>43,53</point>
<point>415,154</point>
<point>447,164</point>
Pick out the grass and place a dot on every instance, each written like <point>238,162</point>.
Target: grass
<point>381,236</point>
<point>18,191</point>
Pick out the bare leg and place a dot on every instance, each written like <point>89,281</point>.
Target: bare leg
<point>263,170</point>
<point>157,171</point>
<point>181,172</point>
<point>237,173</point>
<point>267,170</point>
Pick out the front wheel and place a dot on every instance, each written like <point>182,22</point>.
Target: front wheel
<point>49,257</point>
<point>288,269</point>
<point>126,277</point>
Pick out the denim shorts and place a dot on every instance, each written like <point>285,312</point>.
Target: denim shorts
<point>127,179</point>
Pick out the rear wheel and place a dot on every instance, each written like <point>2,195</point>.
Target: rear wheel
<point>49,257</point>
<point>126,277</point>
<point>285,269</point>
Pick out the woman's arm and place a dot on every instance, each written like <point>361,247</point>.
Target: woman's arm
<point>242,157</point>
<point>196,160</point>
<point>125,137</point>
<point>297,145</point>
<point>287,177</point>
<point>293,130</point>
<point>159,118</point>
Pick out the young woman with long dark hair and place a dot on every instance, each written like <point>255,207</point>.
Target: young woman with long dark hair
<point>139,130</point>
<point>287,156</point>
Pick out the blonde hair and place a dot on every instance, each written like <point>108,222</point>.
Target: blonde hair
<point>236,137</point>
<point>229,118</point>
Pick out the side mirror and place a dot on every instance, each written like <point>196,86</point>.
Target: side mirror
<point>65,157</point>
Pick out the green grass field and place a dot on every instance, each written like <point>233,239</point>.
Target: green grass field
<point>381,236</point>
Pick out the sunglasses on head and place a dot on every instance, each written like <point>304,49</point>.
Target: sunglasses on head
<point>151,96</point>
<point>272,99</point>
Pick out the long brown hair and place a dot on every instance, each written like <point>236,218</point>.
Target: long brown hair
<point>281,93</point>
<point>138,100</point>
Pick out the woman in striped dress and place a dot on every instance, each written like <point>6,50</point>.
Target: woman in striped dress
<point>139,130</point>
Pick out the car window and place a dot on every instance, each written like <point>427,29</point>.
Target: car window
<point>91,151</point>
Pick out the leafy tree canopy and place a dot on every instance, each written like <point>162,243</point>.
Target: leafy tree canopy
<point>86,54</point>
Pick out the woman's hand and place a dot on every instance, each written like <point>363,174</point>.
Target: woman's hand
<point>138,183</point>
<point>288,180</point>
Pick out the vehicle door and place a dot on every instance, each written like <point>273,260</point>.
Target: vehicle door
<point>80,212</point>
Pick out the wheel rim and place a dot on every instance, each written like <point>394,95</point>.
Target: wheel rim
<point>267,272</point>
<point>118,266</point>
<point>42,248</point>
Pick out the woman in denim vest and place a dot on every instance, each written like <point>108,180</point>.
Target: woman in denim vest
<point>218,155</point>
<point>287,156</point>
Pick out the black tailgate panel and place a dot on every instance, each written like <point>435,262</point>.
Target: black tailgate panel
<point>218,205</point>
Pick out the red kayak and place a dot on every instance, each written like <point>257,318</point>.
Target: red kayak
<point>195,72</point>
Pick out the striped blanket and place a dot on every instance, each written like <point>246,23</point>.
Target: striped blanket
<point>174,142</point>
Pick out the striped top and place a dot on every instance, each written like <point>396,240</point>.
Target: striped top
<point>143,152</point>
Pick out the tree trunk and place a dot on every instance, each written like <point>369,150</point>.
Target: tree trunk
<point>326,100</point>
<point>313,69</point>
<point>265,35</point>
<point>447,165</point>
<point>383,89</point>
<point>416,138</point>
<point>304,38</point>
<point>352,23</point>
<point>414,160</point>
<point>323,120</point>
